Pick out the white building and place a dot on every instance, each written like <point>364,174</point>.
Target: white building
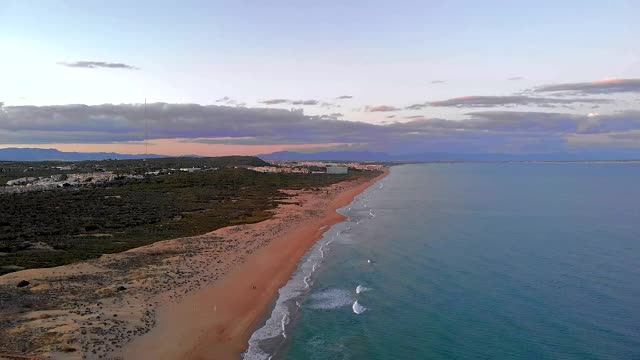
<point>190,170</point>
<point>337,169</point>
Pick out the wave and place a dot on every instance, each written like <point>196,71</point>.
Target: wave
<point>330,299</point>
<point>285,321</point>
<point>357,308</point>
<point>361,289</point>
<point>345,239</point>
<point>291,296</point>
<point>288,301</point>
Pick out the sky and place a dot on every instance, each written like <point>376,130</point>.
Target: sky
<point>239,77</point>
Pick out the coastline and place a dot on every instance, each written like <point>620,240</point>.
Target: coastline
<point>107,307</point>
<point>240,299</point>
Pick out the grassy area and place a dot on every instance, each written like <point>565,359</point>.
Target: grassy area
<point>83,223</point>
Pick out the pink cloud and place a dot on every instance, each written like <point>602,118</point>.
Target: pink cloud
<point>381,108</point>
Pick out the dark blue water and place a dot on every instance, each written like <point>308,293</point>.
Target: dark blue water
<point>475,261</point>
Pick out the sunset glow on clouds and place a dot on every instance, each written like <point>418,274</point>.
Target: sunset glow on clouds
<point>174,147</point>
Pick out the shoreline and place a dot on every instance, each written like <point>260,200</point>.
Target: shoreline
<point>171,299</point>
<point>241,298</point>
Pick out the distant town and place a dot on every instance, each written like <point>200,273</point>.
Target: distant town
<point>42,176</point>
<point>314,167</point>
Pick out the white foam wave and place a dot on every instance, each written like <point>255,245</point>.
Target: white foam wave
<point>358,308</point>
<point>287,298</point>
<point>300,283</point>
<point>330,299</point>
<point>361,289</point>
<point>344,239</point>
<point>285,321</point>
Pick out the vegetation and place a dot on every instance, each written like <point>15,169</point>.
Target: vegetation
<point>10,170</point>
<point>50,228</point>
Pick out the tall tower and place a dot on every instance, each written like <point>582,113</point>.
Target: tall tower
<point>146,131</point>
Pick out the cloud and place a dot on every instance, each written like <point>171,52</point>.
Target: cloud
<point>515,78</point>
<point>126,122</point>
<point>344,97</point>
<point>275,101</point>
<point>380,108</point>
<point>98,64</point>
<point>553,123</point>
<point>304,102</point>
<point>290,102</point>
<point>414,117</point>
<point>481,131</point>
<point>607,86</point>
<point>229,101</point>
<point>628,139</point>
<point>438,81</point>
<point>492,101</point>
<point>416,106</point>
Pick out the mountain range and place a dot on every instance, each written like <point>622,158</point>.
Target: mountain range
<point>36,154</point>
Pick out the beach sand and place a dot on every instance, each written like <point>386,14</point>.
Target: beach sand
<point>197,297</point>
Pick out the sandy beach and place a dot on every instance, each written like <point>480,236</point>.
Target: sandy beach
<point>197,297</point>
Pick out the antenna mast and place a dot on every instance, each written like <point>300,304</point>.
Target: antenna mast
<point>146,130</point>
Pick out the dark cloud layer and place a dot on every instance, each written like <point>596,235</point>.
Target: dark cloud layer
<point>494,101</point>
<point>126,122</point>
<point>97,65</point>
<point>344,97</point>
<point>610,86</point>
<point>482,131</point>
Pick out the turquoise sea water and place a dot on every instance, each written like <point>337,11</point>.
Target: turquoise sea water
<point>471,261</point>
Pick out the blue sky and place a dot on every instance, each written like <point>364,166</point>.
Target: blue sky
<point>381,53</point>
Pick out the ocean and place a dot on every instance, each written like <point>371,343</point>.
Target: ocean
<point>471,261</point>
